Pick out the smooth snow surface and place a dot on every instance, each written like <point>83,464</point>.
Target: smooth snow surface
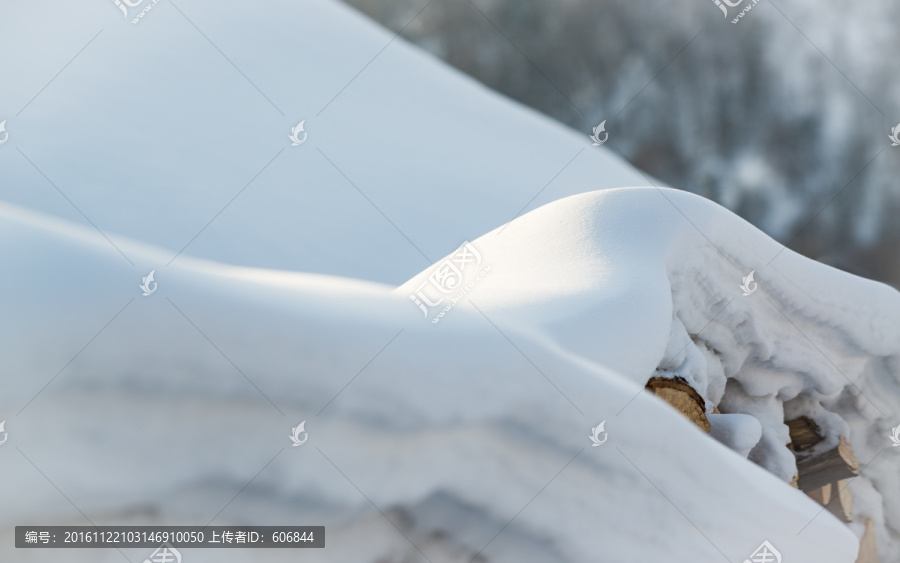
<point>153,134</point>
<point>451,430</point>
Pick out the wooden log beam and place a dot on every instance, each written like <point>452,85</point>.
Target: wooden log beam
<point>822,495</point>
<point>828,467</point>
<point>682,397</point>
<point>868,550</point>
<point>804,433</point>
<point>841,504</point>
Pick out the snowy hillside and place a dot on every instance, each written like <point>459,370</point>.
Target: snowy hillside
<point>153,134</point>
<point>466,433</point>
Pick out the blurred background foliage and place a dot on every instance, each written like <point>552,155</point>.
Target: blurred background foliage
<point>783,118</point>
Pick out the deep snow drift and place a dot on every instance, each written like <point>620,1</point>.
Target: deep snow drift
<point>648,282</point>
<point>451,430</point>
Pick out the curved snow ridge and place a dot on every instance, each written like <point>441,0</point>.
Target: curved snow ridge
<point>585,250</point>
<point>460,412</point>
<point>661,266</point>
<point>650,281</point>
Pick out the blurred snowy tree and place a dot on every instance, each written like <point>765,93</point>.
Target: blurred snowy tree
<point>783,118</point>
